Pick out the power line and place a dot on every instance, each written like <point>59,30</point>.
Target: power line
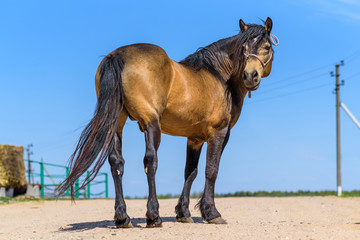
<point>291,93</point>
<point>301,74</point>
<point>352,57</point>
<point>348,59</point>
<point>274,88</point>
<point>352,76</point>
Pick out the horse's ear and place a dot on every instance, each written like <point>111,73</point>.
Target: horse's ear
<point>268,25</point>
<point>242,25</point>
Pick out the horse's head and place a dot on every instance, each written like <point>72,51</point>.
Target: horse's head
<point>257,53</point>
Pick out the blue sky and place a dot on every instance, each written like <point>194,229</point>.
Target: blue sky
<point>285,138</point>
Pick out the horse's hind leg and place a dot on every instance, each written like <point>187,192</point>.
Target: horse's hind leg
<point>192,159</point>
<point>116,161</point>
<point>152,138</point>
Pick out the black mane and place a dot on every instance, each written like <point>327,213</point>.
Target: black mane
<point>225,58</point>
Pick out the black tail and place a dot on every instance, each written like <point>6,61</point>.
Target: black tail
<point>98,136</point>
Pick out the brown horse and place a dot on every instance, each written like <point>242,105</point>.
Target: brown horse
<point>199,98</point>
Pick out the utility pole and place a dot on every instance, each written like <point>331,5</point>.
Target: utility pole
<point>29,152</point>
<point>338,149</point>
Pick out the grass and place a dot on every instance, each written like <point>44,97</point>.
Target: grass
<point>7,200</point>
<point>300,193</point>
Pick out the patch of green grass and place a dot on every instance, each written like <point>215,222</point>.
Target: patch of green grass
<point>4,200</point>
<point>355,193</point>
<point>7,200</point>
<point>300,193</point>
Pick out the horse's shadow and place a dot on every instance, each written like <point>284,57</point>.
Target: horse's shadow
<point>84,226</point>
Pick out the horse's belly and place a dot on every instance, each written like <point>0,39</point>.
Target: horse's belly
<point>181,127</point>
<point>191,124</point>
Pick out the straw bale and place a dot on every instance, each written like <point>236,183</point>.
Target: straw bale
<point>12,169</point>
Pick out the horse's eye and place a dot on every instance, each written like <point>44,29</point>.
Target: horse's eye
<point>267,48</point>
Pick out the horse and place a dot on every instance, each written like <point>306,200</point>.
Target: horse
<point>200,98</point>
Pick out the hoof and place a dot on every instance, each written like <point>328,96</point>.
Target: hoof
<point>185,220</point>
<point>218,220</point>
<point>129,225</point>
<point>154,223</point>
<point>123,224</point>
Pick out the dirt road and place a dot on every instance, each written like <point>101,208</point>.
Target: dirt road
<point>248,218</point>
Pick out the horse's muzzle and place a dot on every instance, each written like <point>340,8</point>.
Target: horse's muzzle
<point>253,88</point>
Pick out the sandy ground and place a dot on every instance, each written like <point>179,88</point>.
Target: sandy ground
<point>248,218</point>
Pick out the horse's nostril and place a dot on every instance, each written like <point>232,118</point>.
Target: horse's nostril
<point>255,74</point>
<point>244,76</point>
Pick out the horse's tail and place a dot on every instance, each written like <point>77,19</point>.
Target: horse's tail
<point>98,136</point>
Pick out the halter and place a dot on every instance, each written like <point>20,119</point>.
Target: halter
<point>262,63</point>
<point>257,57</point>
<point>275,41</point>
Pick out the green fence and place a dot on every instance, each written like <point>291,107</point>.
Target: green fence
<point>49,176</point>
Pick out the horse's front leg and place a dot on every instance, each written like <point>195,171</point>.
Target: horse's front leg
<point>152,139</point>
<point>214,150</point>
<point>192,159</point>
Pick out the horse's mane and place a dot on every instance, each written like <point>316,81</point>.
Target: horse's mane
<point>214,58</point>
<point>225,58</point>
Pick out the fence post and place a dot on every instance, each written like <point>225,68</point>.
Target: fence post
<point>67,174</point>
<point>106,186</point>
<point>88,186</point>
<point>42,178</point>
<point>77,188</point>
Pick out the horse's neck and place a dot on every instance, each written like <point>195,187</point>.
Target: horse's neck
<point>238,93</point>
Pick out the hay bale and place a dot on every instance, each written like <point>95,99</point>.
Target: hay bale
<point>12,169</point>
